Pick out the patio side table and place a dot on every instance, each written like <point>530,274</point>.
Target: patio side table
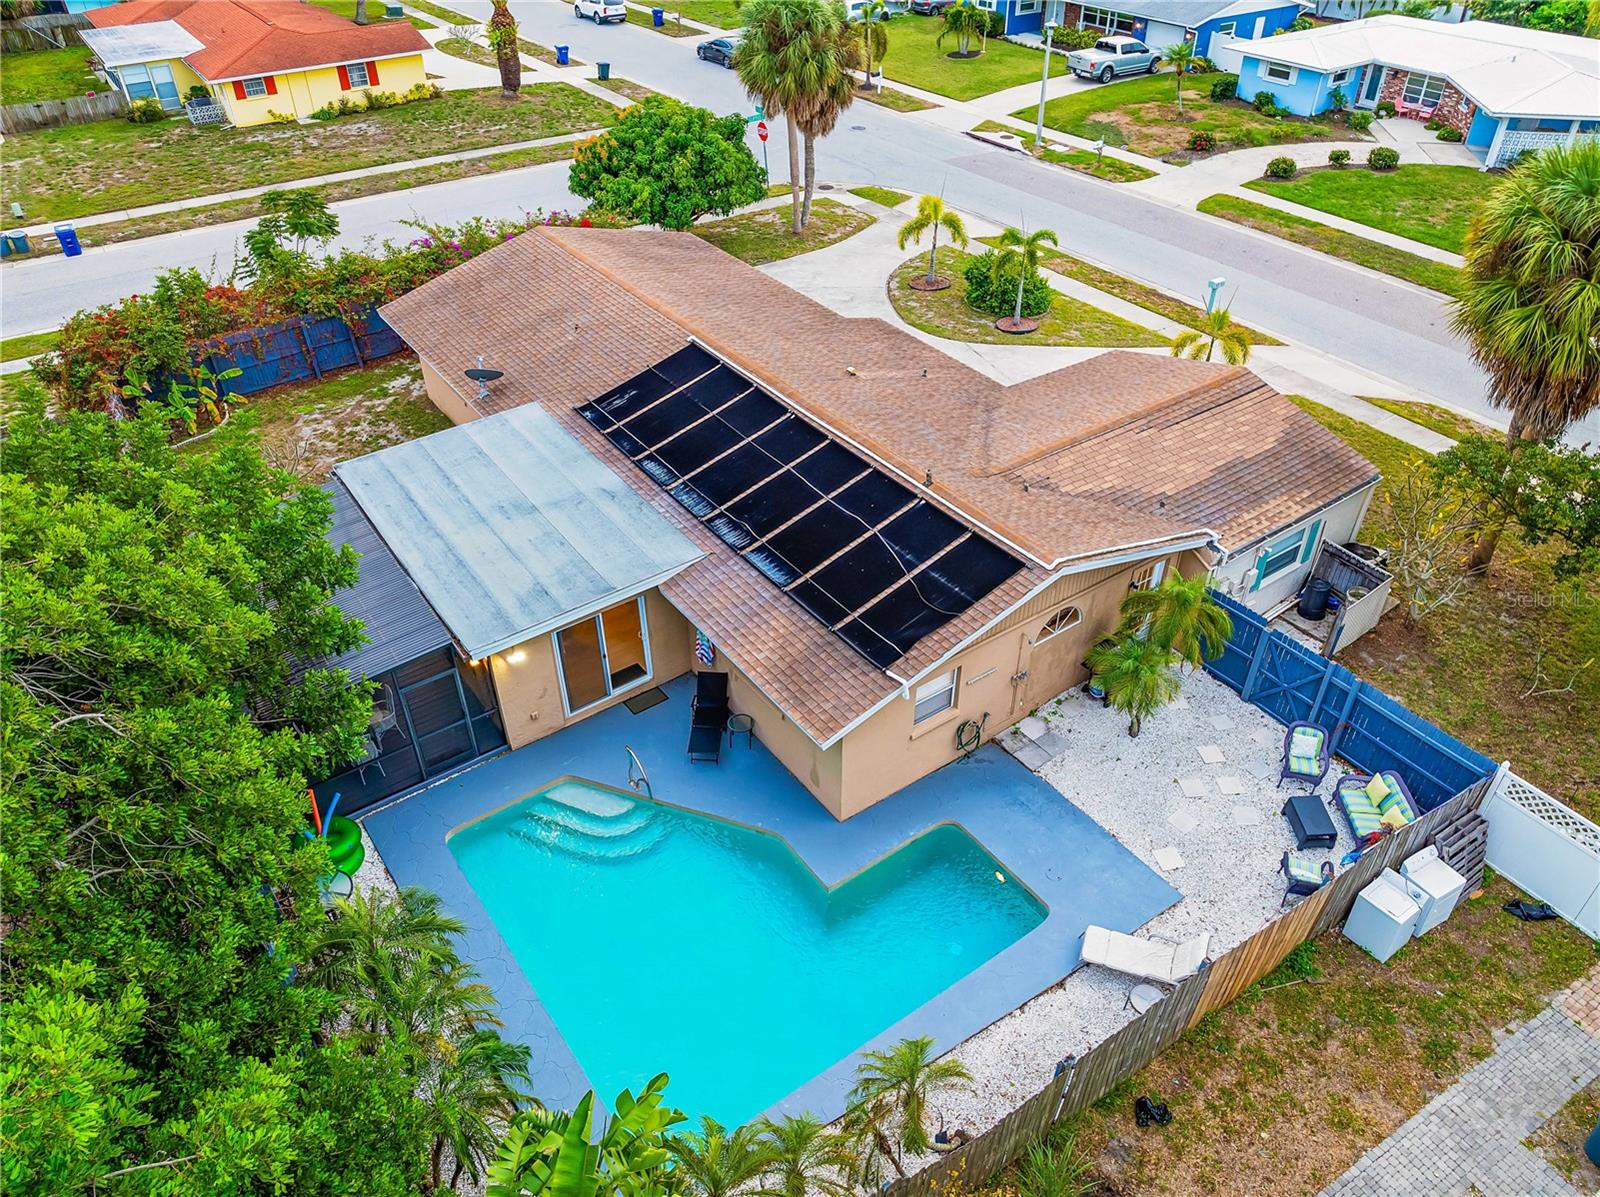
<point>741,725</point>
<point>1309,821</point>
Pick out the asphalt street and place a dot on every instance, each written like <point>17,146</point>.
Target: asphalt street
<point>1382,325</point>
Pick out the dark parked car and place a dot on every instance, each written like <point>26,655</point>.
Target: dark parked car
<point>930,8</point>
<point>719,49</point>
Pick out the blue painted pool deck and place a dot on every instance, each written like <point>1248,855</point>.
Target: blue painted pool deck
<point>1074,866</point>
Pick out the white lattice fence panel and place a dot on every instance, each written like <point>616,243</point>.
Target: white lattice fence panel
<point>1546,847</point>
<point>1514,141</point>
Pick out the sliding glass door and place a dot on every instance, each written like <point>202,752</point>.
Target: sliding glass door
<point>605,654</point>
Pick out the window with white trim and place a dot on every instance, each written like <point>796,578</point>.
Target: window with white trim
<point>1147,577</point>
<point>1277,72</point>
<point>1422,91</point>
<point>934,696</point>
<point>1280,555</point>
<point>254,89</point>
<point>357,71</point>
<point>1342,77</point>
<point>1108,19</point>
<point>1067,617</point>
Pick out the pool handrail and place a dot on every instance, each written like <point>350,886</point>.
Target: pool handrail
<point>637,777</point>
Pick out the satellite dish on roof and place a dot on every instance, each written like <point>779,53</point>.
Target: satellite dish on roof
<point>483,377</point>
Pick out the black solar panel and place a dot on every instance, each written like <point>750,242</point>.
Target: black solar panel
<point>858,550</point>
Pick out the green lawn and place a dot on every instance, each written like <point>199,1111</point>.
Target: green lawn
<point>28,345</point>
<point>47,75</point>
<point>347,9</point>
<point>881,195</point>
<point>1113,170</point>
<point>1432,204</point>
<point>1142,115</point>
<point>1144,296</point>
<point>946,314</point>
<point>764,236</point>
<point>1425,272</point>
<point>626,87</point>
<point>450,16</point>
<point>84,169</point>
<point>914,58</point>
<point>1433,417</point>
<point>724,14</point>
<point>893,97</point>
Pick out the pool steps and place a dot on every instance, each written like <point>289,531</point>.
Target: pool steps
<point>588,825</point>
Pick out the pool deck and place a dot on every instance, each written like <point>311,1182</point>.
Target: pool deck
<point>1071,863</point>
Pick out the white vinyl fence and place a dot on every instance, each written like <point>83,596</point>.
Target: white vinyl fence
<point>1546,847</point>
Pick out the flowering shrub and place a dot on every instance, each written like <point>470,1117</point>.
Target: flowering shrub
<point>1383,158</point>
<point>1202,142</point>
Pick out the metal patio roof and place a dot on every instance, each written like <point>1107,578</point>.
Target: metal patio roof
<point>147,42</point>
<point>511,529</point>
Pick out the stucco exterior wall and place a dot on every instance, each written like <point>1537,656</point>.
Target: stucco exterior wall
<point>300,93</point>
<point>445,397</point>
<point>529,688</point>
<point>1235,576</point>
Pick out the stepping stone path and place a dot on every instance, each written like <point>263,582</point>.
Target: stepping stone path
<point>1211,754</point>
<point>1230,786</point>
<point>1169,859</point>
<point>1221,722</point>
<point>1183,822</point>
<point>1246,816</point>
<point>1193,787</point>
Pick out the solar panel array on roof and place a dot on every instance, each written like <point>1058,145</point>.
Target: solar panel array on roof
<point>877,563</point>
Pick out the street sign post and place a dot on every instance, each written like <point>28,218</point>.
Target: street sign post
<point>760,119</point>
<point>761,130</point>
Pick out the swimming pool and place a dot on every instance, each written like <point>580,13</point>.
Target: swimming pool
<point>659,939</point>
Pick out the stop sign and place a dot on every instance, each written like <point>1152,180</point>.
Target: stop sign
<point>761,130</point>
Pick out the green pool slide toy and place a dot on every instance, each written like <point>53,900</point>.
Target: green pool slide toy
<point>345,848</point>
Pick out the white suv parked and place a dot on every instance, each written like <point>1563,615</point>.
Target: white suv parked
<point>599,11</point>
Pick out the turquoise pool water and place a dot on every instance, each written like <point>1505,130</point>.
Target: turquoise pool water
<point>661,940</point>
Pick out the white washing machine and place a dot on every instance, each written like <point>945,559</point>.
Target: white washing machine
<point>1440,887</point>
<point>1384,915</point>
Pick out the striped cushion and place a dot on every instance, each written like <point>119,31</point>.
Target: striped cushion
<point>1395,799</point>
<point>1364,818</point>
<point>1300,868</point>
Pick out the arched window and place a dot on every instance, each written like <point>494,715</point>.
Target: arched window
<point>1067,617</point>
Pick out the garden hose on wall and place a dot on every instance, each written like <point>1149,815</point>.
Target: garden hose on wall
<point>970,734</point>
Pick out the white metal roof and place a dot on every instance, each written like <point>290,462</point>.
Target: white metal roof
<point>1506,70</point>
<point>150,41</point>
<point>510,528</point>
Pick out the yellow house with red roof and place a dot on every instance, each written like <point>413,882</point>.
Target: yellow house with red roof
<point>262,60</point>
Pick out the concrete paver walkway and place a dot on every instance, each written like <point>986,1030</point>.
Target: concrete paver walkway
<point>1468,1140</point>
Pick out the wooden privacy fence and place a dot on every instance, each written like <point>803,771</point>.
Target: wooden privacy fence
<point>1085,1079</point>
<point>52,114</point>
<point>43,31</point>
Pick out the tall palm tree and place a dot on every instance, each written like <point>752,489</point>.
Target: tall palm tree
<point>1182,57</point>
<point>717,1162</point>
<point>1181,615</point>
<point>789,57</point>
<point>1024,251</point>
<point>932,215</point>
<point>502,38</point>
<point>426,1006</point>
<point>840,53</point>
<point>1220,332</point>
<point>1530,296</point>
<point>905,1077</point>
<point>372,929</point>
<point>874,34</point>
<point>1136,674</point>
<point>807,1158</point>
<point>471,1092</point>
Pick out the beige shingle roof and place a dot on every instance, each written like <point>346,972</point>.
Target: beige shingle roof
<point>1124,449</point>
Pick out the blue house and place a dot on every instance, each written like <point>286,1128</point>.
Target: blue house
<point>1505,89</point>
<point>1157,23</point>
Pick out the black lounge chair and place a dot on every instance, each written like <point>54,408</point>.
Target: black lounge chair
<point>708,716</point>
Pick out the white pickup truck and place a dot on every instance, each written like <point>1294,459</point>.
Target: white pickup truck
<point>1110,56</point>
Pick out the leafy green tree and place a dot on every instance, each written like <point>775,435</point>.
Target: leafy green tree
<point>1550,491</point>
<point>933,215</point>
<point>1182,58</point>
<point>277,246</point>
<point>548,1153</point>
<point>1219,332</point>
<point>905,1077</point>
<point>501,34</point>
<point>1558,16</point>
<point>807,1157</point>
<point>717,1162</point>
<point>152,787</point>
<point>1136,674</point>
<point>961,21</point>
<point>1021,252</point>
<point>668,163</point>
<point>1181,615</point>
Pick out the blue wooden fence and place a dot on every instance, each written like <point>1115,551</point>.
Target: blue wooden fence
<point>1290,681</point>
<point>297,349</point>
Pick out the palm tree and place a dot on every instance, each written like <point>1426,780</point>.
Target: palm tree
<point>1220,332</point>
<point>840,56</point>
<point>425,1005</point>
<point>790,60</point>
<point>1136,674</point>
<point>874,36</point>
<point>1024,251</point>
<point>1181,615</point>
<point>361,12</point>
<point>1529,304</point>
<point>932,215</point>
<point>806,1157</point>
<point>502,38</point>
<point>716,1162</point>
<point>472,1091</point>
<point>866,1129</point>
<point>1182,57</point>
<point>355,951</point>
<point>962,20</point>
<point>904,1077</point>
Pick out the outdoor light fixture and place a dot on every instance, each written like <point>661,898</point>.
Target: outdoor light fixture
<point>516,658</point>
<point>483,377</point>
<point>1044,81</point>
<point>1213,285</point>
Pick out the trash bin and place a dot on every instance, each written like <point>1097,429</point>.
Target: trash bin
<point>562,57</point>
<point>1314,602</point>
<point>68,237</point>
<point>15,242</point>
<point>605,70</point>
<point>1591,1146</point>
<point>393,11</point>
<point>658,17</point>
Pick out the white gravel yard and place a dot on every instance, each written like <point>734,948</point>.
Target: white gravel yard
<point>1133,787</point>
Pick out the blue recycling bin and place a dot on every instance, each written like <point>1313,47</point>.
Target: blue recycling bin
<point>1591,1146</point>
<point>602,71</point>
<point>658,17</point>
<point>15,242</point>
<point>561,56</point>
<point>68,238</point>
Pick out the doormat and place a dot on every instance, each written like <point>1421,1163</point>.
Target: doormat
<point>640,703</point>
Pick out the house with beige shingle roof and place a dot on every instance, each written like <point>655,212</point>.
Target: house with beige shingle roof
<point>893,556</point>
